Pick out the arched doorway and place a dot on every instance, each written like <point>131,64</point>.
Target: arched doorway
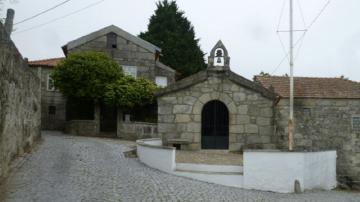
<point>215,126</point>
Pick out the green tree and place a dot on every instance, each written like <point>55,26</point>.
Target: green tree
<point>172,31</point>
<point>85,75</point>
<point>130,92</point>
<point>97,77</point>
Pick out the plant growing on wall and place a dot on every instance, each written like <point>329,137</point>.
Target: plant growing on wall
<point>95,76</point>
<point>173,33</point>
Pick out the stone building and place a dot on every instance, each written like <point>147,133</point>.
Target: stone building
<point>19,100</point>
<point>52,101</point>
<point>137,57</point>
<point>218,109</point>
<point>327,116</point>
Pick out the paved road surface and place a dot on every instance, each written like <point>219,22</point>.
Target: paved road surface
<point>80,169</point>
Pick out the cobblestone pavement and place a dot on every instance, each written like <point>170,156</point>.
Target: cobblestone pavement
<point>209,157</point>
<point>80,169</point>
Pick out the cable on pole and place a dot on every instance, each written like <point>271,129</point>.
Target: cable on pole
<point>301,13</point>
<point>42,12</point>
<point>301,39</point>
<point>319,14</point>
<point>281,14</point>
<point>287,53</point>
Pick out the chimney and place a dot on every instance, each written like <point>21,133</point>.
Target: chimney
<point>9,21</point>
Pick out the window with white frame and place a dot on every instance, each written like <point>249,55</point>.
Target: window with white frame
<point>130,70</point>
<point>50,83</point>
<point>161,81</point>
<point>356,123</point>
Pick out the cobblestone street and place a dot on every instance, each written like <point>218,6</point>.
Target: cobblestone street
<point>74,169</point>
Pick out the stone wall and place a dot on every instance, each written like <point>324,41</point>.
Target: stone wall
<point>323,124</point>
<point>127,53</point>
<point>82,128</point>
<point>250,114</point>
<point>137,130</point>
<point>20,108</point>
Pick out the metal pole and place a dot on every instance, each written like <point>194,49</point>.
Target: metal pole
<point>291,115</point>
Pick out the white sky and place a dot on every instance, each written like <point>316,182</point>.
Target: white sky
<point>247,27</point>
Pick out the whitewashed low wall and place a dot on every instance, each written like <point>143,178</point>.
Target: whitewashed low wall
<point>277,171</point>
<point>153,154</point>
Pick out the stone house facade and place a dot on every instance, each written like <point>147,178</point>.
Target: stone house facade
<point>137,57</point>
<point>52,102</point>
<point>218,109</point>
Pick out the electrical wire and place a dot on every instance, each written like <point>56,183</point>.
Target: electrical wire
<point>59,18</point>
<point>319,14</point>
<point>281,14</point>
<point>301,39</point>
<point>301,13</point>
<point>42,12</point>
<point>283,46</point>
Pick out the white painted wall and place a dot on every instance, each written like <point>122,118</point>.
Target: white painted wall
<point>263,170</point>
<point>320,170</point>
<point>156,156</point>
<point>277,171</point>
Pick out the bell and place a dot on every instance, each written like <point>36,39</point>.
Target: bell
<point>218,60</point>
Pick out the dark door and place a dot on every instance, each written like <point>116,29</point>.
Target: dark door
<point>215,126</point>
<point>108,118</point>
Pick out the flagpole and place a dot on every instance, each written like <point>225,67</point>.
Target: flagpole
<point>291,114</point>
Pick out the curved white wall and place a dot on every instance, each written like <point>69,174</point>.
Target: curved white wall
<point>153,154</point>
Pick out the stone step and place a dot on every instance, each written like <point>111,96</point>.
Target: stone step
<point>209,172</point>
<point>207,168</point>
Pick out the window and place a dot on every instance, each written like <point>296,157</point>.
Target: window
<point>307,112</point>
<point>130,70</point>
<point>161,81</point>
<point>356,124</point>
<point>50,83</point>
<point>111,40</point>
<point>52,110</point>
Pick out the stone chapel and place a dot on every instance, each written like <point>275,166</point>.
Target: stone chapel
<point>217,109</point>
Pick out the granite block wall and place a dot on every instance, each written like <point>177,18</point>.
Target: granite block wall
<point>20,108</point>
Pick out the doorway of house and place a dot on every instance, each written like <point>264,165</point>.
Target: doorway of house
<point>215,126</point>
<point>108,119</point>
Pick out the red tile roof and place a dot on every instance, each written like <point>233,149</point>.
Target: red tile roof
<point>312,87</point>
<point>52,62</point>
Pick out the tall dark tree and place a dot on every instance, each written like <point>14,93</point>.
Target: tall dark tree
<point>173,33</point>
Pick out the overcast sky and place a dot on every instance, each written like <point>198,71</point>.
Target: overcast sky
<point>331,47</point>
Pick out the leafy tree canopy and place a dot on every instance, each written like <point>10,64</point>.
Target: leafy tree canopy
<point>85,75</point>
<point>96,76</point>
<point>171,30</point>
<point>130,92</point>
